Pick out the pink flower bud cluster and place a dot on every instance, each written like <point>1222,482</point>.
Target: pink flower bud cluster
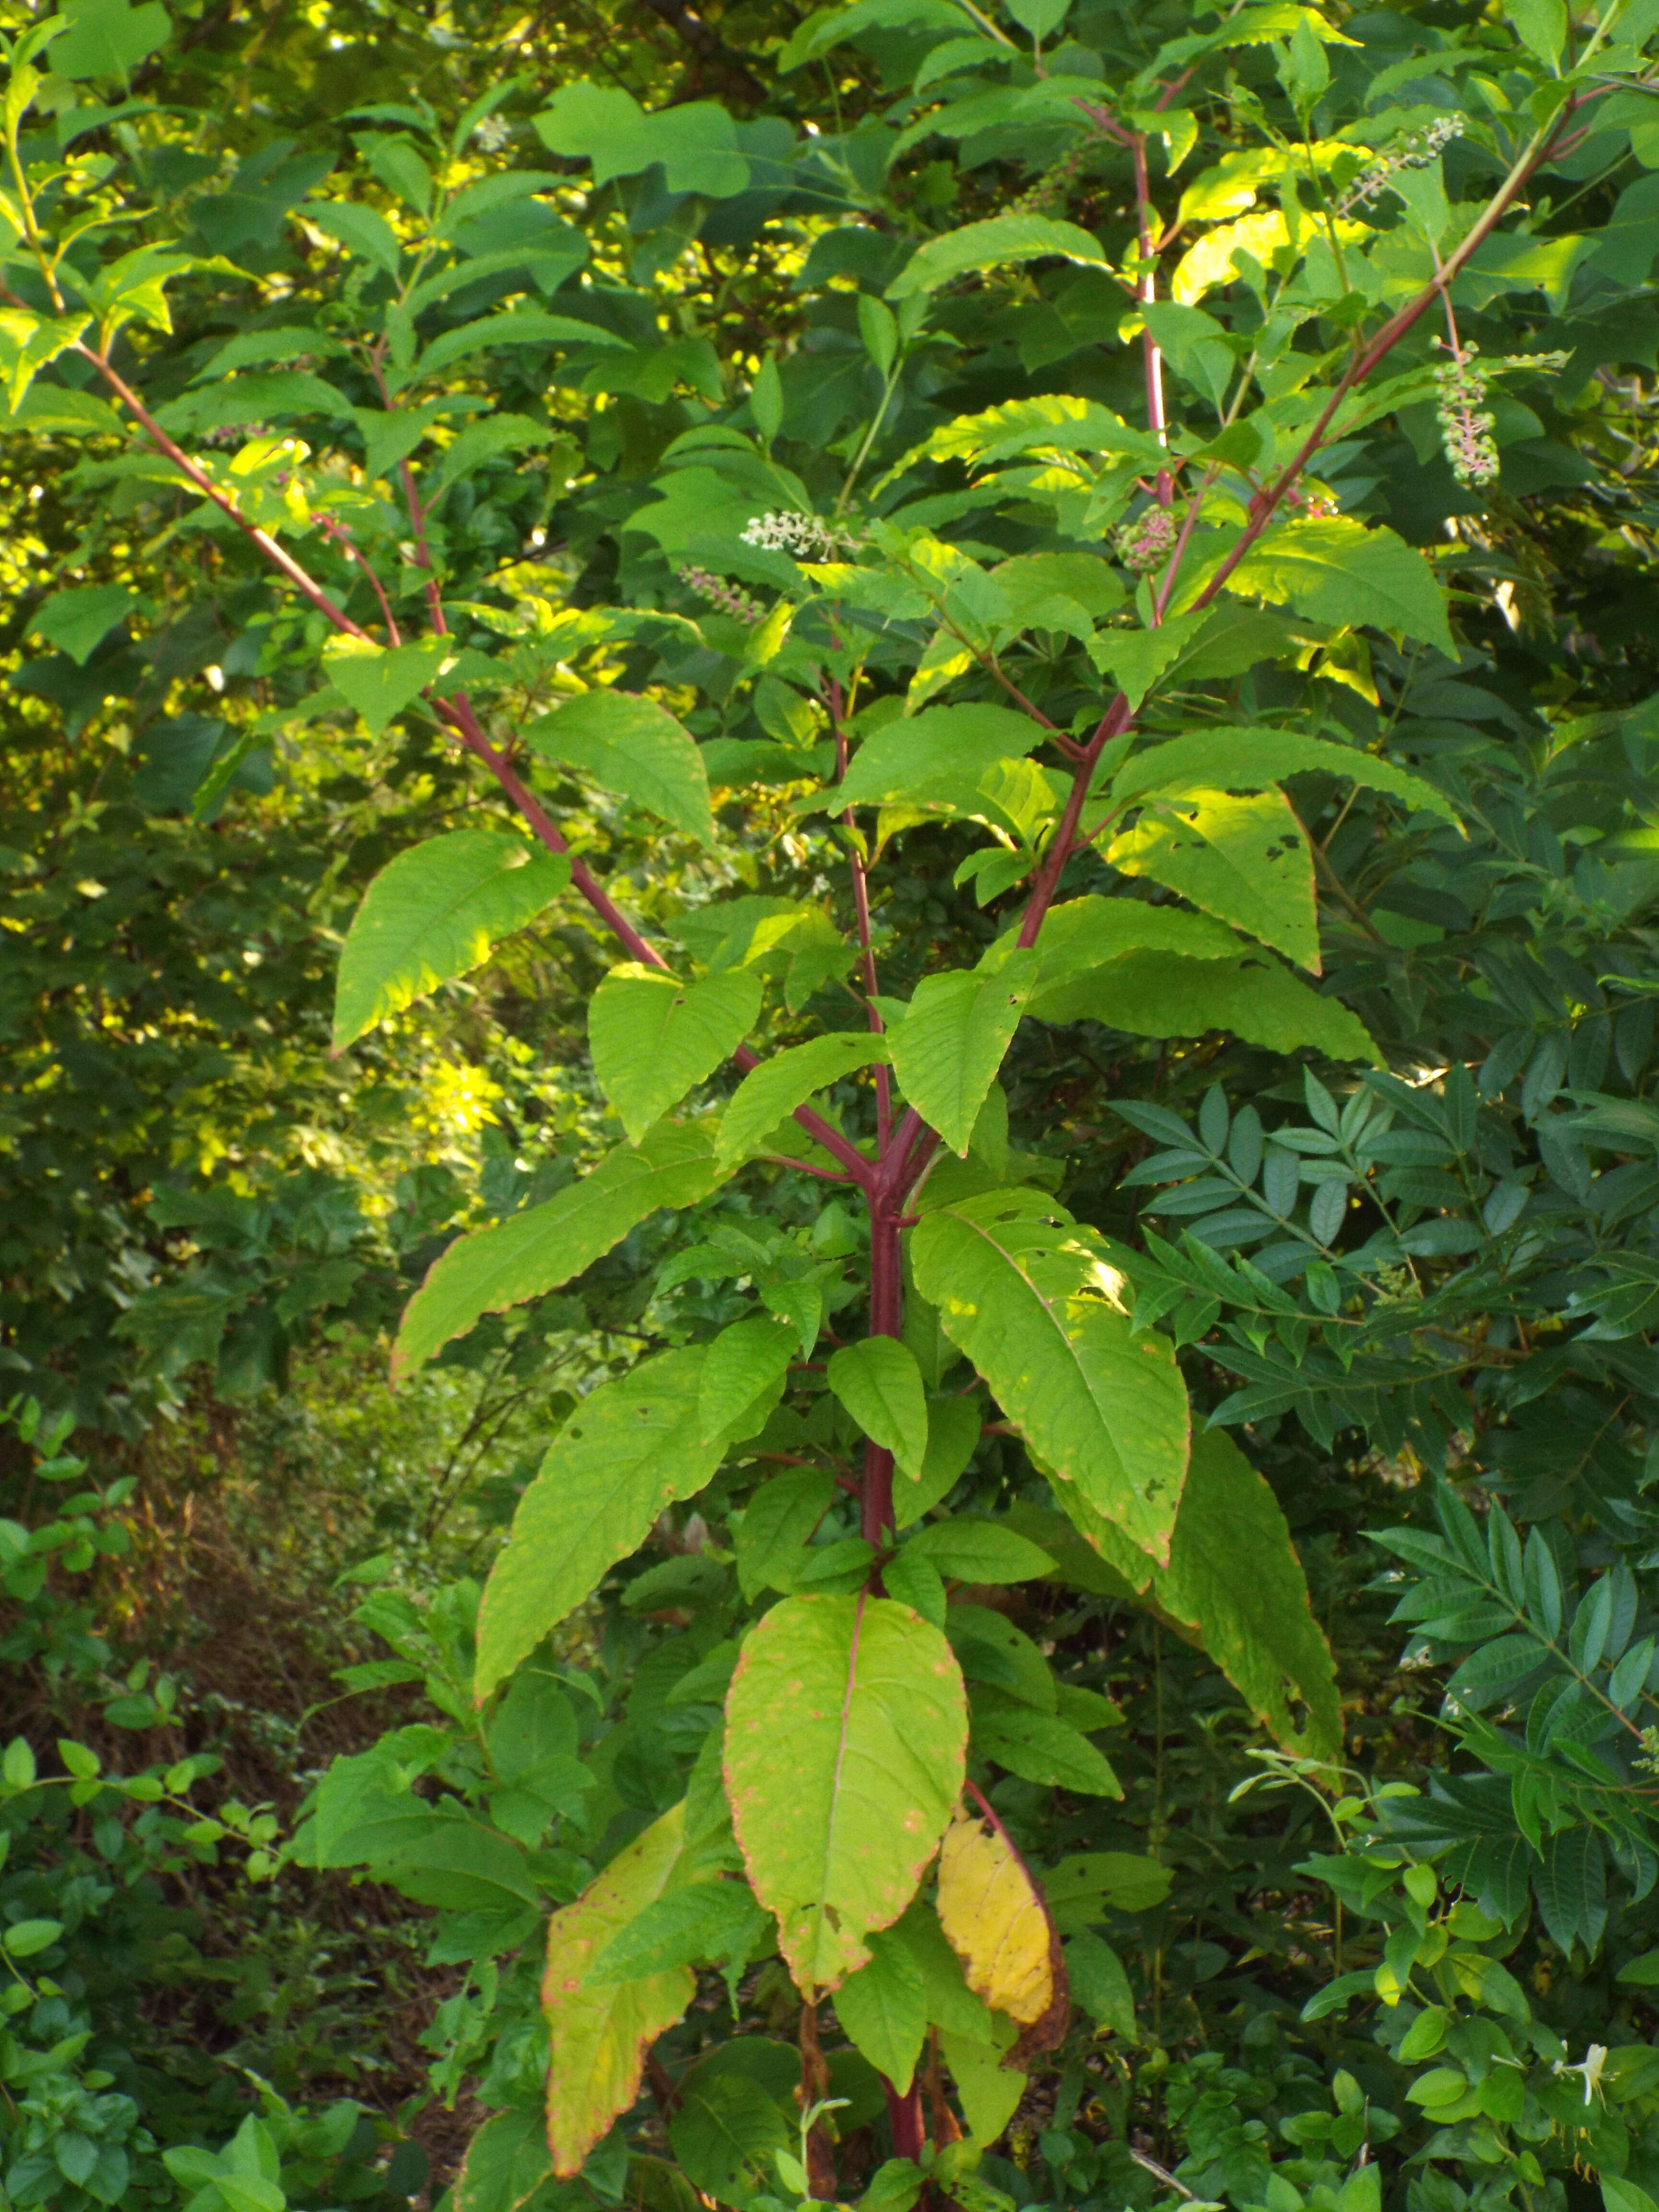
<point>1466,423</point>
<point>722,595</point>
<point>1148,541</point>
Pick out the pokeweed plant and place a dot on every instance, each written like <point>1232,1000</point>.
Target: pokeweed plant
<point>1105,638</point>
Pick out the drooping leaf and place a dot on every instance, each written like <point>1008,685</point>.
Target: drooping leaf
<point>1041,1747</point>
<point>1001,242</point>
<point>535,1251</point>
<point>989,2088</point>
<point>870,1701</point>
<point>1034,1306</point>
<point>1335,568</point>
<point>1100,1984</point>
<point>653,1037</point>
<point>878,1380</point>
<point>1247,759</point>
<point>884,2009</point>
<point>743,1365</point>
<point>434,913</point>
<point>997,1924</point>
<point>778,1520</point>
<point>1235,1586</point>
<point>600,2033</point>
<point>632,1447</point>
<point>974,1551</point>
<point>1152,994</point>
<point>772,1091</point>
<point>634,748</point>
<point>362,230</point>
<point>949,1047</point>
<point>1245,860</point>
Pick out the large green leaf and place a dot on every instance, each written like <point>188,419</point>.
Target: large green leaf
<point>770,1092</point>
<point>878,1382</point>
<point>636,748</point>
<point>1085,933</point>
<point>535,1251</point>
<point>846,1734</point>
<point>1245,860</point>
<point>631,1447</point>
<point>997,243</point>
<point>1155,994</point>
<point>903,758</point>
<point>1033,1304</point>
<point>433,913</point>
<point>1234,1585</point>
<point>947,1050</point>
<point>1334,568</point>
<point>652,1035</point>
<point>600,2033</point>
<point>1249,759</point>
<point>505,2163</point>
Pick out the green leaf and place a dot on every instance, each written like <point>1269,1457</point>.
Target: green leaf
<point>77,622</point>
<point>878,1382</point>
<point>697,142</point>
<point>1334,568</point>
<point>990,2091</point>
<point>634,748</point>
<point>434,913</point>
<point>1033,1305</point>
<point>486,441</point>
<point>1100,1985</point>
<point>361,230</point>
<point>954,1425</point>
<point>535,1251</point>
<point>958,742</point>
<point>631,1447</point>
<point>1235,1586</point>
<point>745,1364</point>
<point>505,2163</point>
<point>380,681</point>
<point>23,1938</point>
<point>869,1700</point>
<point>1246,860</point>
<point>653,1037</point>
<point>884,2009</point>
<point>727,2133</point>
<point>706,1921</point>
<point>998,243</point>
<point>1153,994</point>
<point>27,343</point>
<point>1643,1973</point>
<point>517,326</point>
<point>109,37</point>
<point>971,1551</point>
<point>770,1093</point>
<point>1040,1747</point>
<point>778,1520</point>
<point>1620,2195</point>
<point>1236,759</point>
<point>947,1050</point>
<point>601,2033</point>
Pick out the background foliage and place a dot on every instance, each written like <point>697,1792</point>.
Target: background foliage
<point>1409,1954</point>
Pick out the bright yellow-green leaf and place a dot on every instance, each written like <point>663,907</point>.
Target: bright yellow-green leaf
<point>653,1036</point>
<point>634,748</point>
<point>884,2009</point>
<point>436,912</point>
<point>1245,860</point>
<point>772,1091</point>
<point>878,1382</point>
<point>535,1251</point>
<point>1032,1302</point>
<point>949,1047</point>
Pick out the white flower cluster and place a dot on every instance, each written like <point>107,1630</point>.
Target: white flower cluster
<point>494,132</point>
<point>803,536</point>
<point>1466,423</point>
<point>1415,151</point>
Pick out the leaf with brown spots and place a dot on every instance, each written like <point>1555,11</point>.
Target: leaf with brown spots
<point>996,1922</point>
<point>600,2033</point>
<point>846,1735</point>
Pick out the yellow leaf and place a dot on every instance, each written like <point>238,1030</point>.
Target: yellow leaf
<point>996,1922</point>
<point>599,2035</point>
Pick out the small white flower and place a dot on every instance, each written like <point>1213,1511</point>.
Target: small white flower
<point>492,133</point>
<point>1592,2066</point>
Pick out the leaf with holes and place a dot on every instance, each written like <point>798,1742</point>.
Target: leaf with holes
<point>1246,859</point>
<point>1034,1306</point>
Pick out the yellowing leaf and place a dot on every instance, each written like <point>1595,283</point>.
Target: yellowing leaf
<point>1211,261</point>
<point>998,1926</point>
<point>846,1735</point>
<point>599,2035</point>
